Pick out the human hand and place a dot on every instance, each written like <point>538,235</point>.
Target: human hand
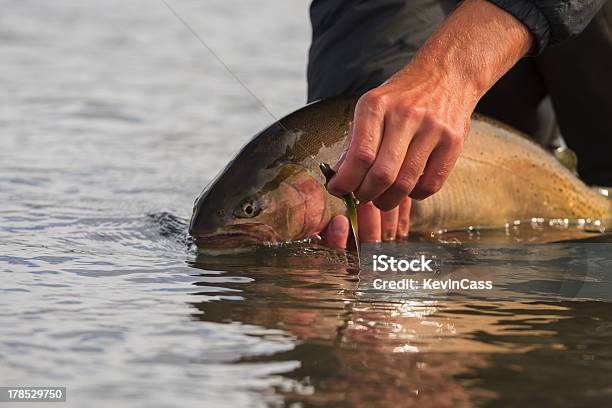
<point>408,133</point>
<point>406,137</point>
<point>374,225</point>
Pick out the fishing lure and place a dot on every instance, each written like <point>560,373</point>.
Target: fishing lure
<point>351,205</point>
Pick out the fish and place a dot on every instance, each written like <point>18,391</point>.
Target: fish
<point>273,191</point>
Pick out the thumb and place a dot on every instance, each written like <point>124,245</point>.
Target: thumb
<point>337,232</point>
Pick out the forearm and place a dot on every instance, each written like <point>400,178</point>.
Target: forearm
<point>474,47</point>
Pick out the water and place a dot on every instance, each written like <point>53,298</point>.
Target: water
<point>113,118</point>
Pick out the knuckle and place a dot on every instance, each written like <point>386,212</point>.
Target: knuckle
<point>453,137</point>
<point>406,181</point>
<point>407,110</point>
<point>373,101</point>
<point>430,187</point>
<point>341,186</point>
<point>365,156</point>
<point>403,186</point>
<point>382,175</point>
<point>431,122</point>
<point>385,203</point>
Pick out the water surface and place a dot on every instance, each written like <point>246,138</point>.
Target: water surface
<point>113,119</point>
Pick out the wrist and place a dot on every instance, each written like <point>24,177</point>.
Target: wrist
<point>476,45</point>
<point>450,74</point>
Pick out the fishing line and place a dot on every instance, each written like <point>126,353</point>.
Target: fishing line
<point>227,68</point>
<point>352,210</point>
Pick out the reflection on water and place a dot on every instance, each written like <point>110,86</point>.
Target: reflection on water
<point>356,346</point>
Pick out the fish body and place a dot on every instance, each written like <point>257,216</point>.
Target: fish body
<point>274,191</point>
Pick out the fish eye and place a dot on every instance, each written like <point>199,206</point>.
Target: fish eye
<point>248,209</point>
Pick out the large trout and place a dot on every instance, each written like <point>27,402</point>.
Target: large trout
<point>273,190</point>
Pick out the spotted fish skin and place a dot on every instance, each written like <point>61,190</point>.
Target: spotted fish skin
<point>502,176</point>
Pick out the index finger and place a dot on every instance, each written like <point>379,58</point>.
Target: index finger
<point>368,126</point>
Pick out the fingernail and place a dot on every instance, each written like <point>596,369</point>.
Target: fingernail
<point>388,236</point>
<point>402,230</point>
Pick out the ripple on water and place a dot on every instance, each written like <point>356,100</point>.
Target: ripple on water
<point>115,120</point>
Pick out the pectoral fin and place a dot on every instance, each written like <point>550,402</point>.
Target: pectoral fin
<point>567,158</point>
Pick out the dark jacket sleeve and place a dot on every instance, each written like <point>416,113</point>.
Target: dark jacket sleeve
<point>551,21</point>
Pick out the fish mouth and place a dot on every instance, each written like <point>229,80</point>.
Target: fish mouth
<point>229,240</point>
<point>226,237</point>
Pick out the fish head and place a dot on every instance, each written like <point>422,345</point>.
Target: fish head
<point>257,200</point>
